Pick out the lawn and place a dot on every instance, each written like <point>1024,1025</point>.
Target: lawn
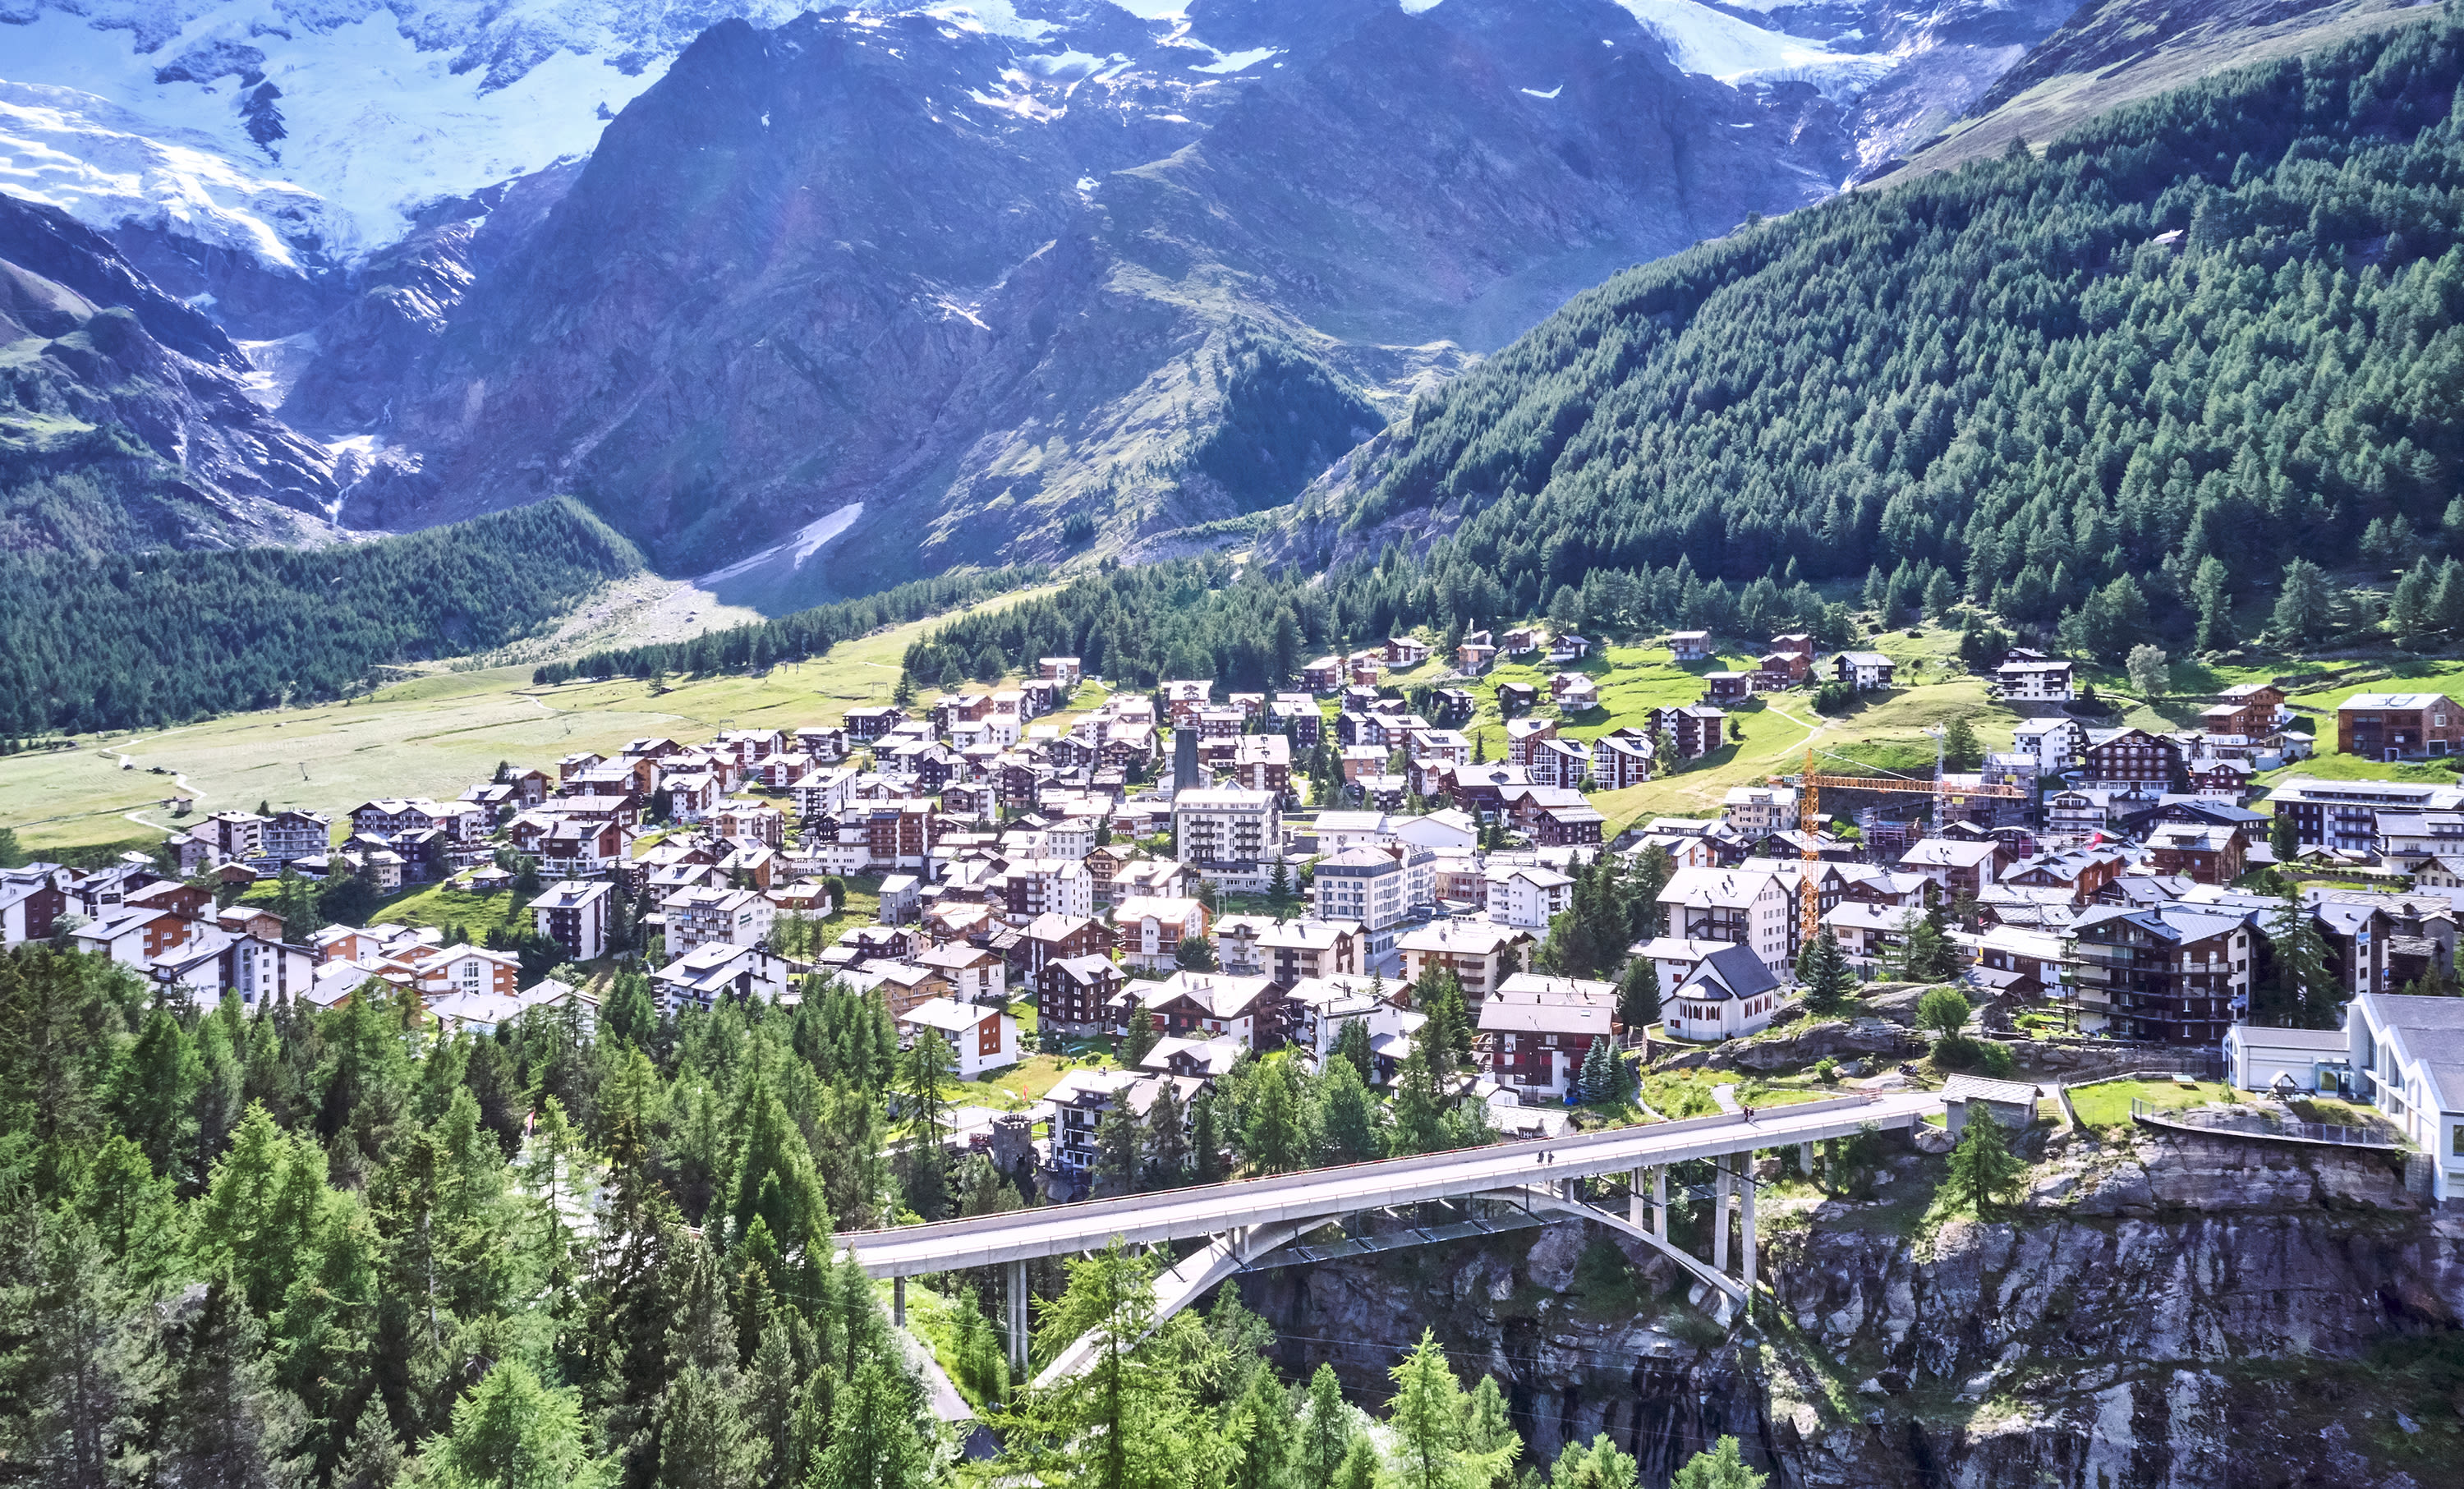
<point>432,735</point>
<point>2107,1105</point>
<point>1022,1084</point>
<point>444,905</point>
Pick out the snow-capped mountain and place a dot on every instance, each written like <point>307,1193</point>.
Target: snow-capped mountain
<point>307,133</point>
<point>981,265</point>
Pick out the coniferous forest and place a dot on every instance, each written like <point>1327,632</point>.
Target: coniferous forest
<point>289,1249</point>
<point>129,641</point>
<point>2221,324</point>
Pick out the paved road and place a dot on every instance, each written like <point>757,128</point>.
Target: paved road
<point>1180,1215</point>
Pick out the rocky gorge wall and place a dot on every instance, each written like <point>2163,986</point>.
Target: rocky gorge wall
<point>2160,1310</point>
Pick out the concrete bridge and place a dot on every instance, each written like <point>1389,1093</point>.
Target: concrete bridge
<point>1245,1222</point>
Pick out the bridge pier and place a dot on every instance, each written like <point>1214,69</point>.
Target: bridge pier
<point>1747,1234</point>
<point>1721,1185</point>
<point>1017,1302</point>
<point>898,1301</point>
<point>1659,1200</point>
<point>1805,1159</point>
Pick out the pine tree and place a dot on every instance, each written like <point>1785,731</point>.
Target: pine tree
<point>1167,1140</point>
<point>1823,972</point>
<point>1983,1170</point>
<point>79,1400</point>
<point>226,1424</point>
<point>1141,1039</point>
<point>1360,1468</point>
<point>1594,1081</point>
<point>1274,1138</point>
<point>1352,1046</point>
<point>1260,1433</point>
<point>1327,1430</point>
<point>1419,1120</point>
<point>513,1433</point>
<point>1117,1165</point>
<point>2282,840</point>
<point>1719,1466</point>
<point>154,1098</point>
<point>2301,994</point>
<point>1960,751</point>
<point>1347,1113</point>
<point>1206,1140</point>
<point>375,1459</point>
<point>1599,1464</point>
<point>2210,590</point>
<point>1487,1430</point>
<point>2412,613</point>
<point>877,1438</point>
<point>1427,1415</point>
<point>703,1430</point>
<point>2301,602</point>
<point>1125,1421</point>
<point>2446,605</point>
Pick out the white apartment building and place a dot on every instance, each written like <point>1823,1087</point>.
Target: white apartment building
<point>1759,809</point>
<point>2035,682</point>
<point>2056,742</point>
<point>1230,836</point>
<point>1341,832</point>
<point>823,793</point>
<point>1528,895</point>
<point>1364,885</point>
<point>700,916</point>
<point>1748,907</point>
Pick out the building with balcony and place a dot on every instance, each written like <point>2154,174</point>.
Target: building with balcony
<point>2344,814</point>
<point>1231,837</point>
<point>2170,973</point>
<point>2399,726</point>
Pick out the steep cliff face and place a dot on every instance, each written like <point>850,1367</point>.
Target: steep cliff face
<point>2175,1311</point>
<point>125,419</point>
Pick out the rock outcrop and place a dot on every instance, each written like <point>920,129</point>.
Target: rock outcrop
<point>2158,1310</point>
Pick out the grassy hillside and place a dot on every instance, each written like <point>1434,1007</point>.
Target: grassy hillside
<point>429,736</point>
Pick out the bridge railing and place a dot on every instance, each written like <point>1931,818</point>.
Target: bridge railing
<point>2255,1125</point>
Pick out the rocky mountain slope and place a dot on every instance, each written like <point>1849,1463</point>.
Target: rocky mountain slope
<point>855,261</point>
<point>126,416</point>
<point>981,268</point>
<point>2115,52</point>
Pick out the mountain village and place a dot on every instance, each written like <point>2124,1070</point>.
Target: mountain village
<point>1166,883</point>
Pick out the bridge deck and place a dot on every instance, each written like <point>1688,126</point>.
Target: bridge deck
<point>1324,1194</point>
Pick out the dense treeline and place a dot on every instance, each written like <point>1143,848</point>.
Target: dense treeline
<point>798,637</point>
<point>149,639</point>
<point>2221,324</point>
<point>1252,628</point>
<point>289,1249</point>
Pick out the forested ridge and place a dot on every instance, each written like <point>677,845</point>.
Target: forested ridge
<point>2221,323</point>
<point>140,640</point>
<point>290,1249</point>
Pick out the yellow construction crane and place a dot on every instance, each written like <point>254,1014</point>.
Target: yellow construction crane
<point>1809,814</point>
